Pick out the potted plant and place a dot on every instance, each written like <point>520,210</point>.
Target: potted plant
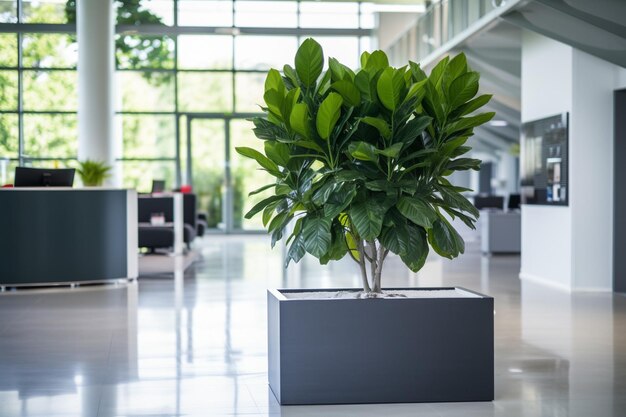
<point>93,173</point>
<point>361,161</point>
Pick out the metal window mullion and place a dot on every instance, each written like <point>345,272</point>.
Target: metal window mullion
<point>20,101</point>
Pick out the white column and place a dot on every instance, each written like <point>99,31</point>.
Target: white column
<point>96,65</point>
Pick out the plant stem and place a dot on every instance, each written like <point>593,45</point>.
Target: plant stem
<point>373,262</point>
<point>361,249</point>
<point>382,254</point>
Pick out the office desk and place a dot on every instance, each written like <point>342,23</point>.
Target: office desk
<point>501,231</point>
<point>64,235</point>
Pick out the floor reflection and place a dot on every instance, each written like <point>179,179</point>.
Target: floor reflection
<point>194,342</point>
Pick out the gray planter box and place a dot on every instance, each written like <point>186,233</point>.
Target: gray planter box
<point>343,351</point>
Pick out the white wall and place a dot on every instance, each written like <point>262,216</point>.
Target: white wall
<point>391,25</point>
<point>571,247</point>
<point>546,91</point>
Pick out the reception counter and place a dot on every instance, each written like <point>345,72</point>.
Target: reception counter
<point>64,235</point>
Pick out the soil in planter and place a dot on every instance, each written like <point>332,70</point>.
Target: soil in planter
<point>330,295</point>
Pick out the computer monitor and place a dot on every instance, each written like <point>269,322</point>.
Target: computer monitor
<point>158,186</point>
<point>488,202</point>
<point>44,177</point>
<point>514,201</point>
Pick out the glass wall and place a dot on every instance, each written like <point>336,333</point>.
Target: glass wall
<point>177,61</point>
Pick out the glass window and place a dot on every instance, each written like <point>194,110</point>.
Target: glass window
<point>8,136</point>
<point>7,171</point>
<point>139,52</point>
<point>147,136</point>
<point>246,176</point>
<point>49,50</point>
<point>208,164</point>
<point>139,174</point>
<point>205,92</point>
<point>329,15</point>
<point>366,44</point>
<point>249,88</point>
<point>368,16</point>
<point>344,48</point>
<point>46,11</point>
<point>8,90</point>
<point>146,91</point>
<point>8,11</point>
<point>8,51</point>
<point>264,52</point>
<point>205,52</point>
<point>50,135</point>
<point>50,90</point>
<point>266,14</point>
<point>212,13</point>
<point>145,11</point>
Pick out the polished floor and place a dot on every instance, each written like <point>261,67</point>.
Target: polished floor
<point>194,343</point>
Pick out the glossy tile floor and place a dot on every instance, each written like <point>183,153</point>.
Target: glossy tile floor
<point>194,344</point>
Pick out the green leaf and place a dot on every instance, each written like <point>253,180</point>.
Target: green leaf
<point>362,82</point>
<point>464,164</point>
<point>445,240</point>
<point>291,74</point>
<point>277,152</point>
<point>274,101</point>
<point>367,218</point>
<point>391,152</point>
<point>316,234</point>
<point>462,89</point>
<point>456,67</point>
<point>308,145</point>
<point>432,102</point>
<point>270,166</point>
<point>395,238</point>
<point>274,81</point>
<point>348,91</point>
<point>417,210</point>
<point>468,123</point>
<point>261,189</point>
<point>339,71</point>
<point>266,130</point>
<point>417,74</point>
<point>309,62</point>
<point>262,204</point>
<point>380,124</point>
<point>363,151</point>
<point>417,249</point>
<point>338,246</point>
<point>296,250</point>
<point>456,200</point>
<point>389,88</point>
<point>299,120</point>
<point>437,73</point>
<point>412,129</point>
<point>339,200</point>
<point>377,61</point>
<point>352,246</point>
<point>471,106</point>
<point>328,114</point>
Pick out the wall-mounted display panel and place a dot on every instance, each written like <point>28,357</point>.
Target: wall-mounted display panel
<point>544,161</point>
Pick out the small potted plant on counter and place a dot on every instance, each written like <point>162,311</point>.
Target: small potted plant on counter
<point>93,173</point>
<point>361,161</point>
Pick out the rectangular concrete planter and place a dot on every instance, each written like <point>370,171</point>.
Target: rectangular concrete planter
<point>348,351</point>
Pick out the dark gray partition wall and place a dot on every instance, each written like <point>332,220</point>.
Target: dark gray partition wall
<point>619,194</point>
<point>65,235</point>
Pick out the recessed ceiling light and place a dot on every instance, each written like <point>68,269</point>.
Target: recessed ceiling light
<point>498,123</point>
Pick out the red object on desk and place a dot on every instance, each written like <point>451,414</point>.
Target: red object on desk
<point>185,188</point>
<point>7,186</point>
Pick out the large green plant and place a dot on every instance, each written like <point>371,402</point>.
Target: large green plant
<point>361,159</point>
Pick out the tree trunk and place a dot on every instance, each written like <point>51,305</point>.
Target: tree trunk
<point>361,249</point>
